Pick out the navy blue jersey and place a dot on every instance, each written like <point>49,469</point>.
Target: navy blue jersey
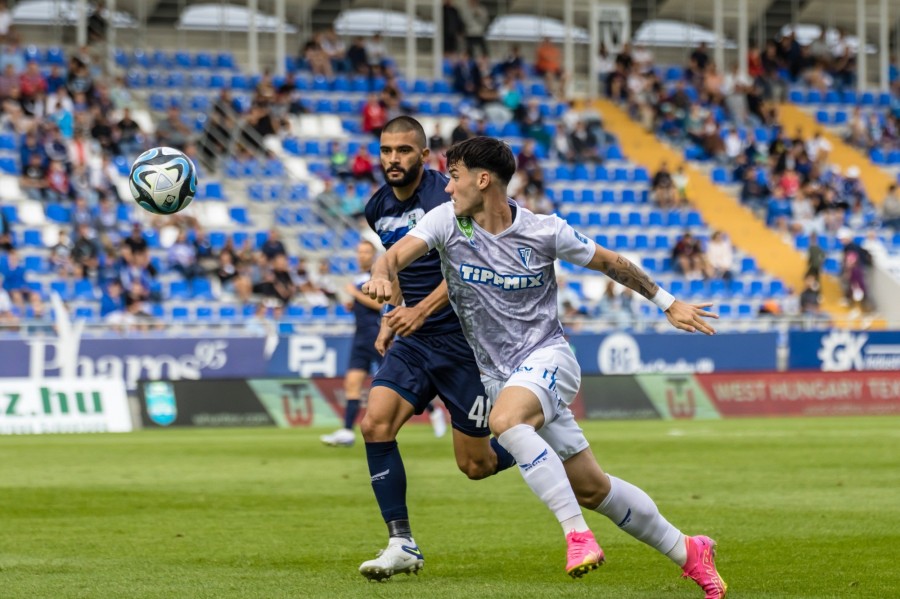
<point>368,321</point>
<point>392,219</point>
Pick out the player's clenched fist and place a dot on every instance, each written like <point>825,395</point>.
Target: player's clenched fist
<point>378,289</point>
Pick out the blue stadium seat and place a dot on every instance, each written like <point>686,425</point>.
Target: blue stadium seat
<point>217,239</point>
<point>748,265</point>
<point>201,289</point>
<point>568,196</point>
<point>224,60</point>
<point>621,242</point>
<point>85,313</point>
<point>776,288</point>
<point>84,290</point>
<point>8,165</point>
<point>614,152</point>
<point>724,310</point>
<point>641,242</point>
<point>574,219</point>
<point>635,219</point>
<point>614,219</point>
<point>562,173</point>
<point>212,190</point>
<point>648,263</point>
<point>601,174</point>
<point>180,313</point>
<point>674,219</point>
<point>744,310</point>
<point>58,213</point>
<point>32,264</point>
<point>227,312</point>
<point>795,96</point>
<point>607,196</point>
<point>693,219</point>
<point>178,290</point>
<point>720,176</point>
<point>588,196</point>
<point>661,242</point>
<point>655,219</point>
<point>822,117</point>
<point>580,173</point>
<point>628,196</point>
<point>595,219</point>
<point>32,237</point>
<point>736,288</point>
<point>676,287</point>
<point>204,313</point>
<point>641,175</point>
<point>239,215</point>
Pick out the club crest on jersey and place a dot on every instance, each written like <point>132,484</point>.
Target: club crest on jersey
<point>525,255</point>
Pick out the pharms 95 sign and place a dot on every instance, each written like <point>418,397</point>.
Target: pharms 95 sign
<point>33,406</point>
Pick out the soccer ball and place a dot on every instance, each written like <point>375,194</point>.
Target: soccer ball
<point>163,180</point>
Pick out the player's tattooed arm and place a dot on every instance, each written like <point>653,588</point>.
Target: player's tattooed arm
<point>628,273</point>
<point>624,271</point>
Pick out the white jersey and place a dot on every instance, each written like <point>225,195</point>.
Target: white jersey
<point>503,287</point>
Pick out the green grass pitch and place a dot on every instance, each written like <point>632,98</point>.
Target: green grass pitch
<point>802,508</point>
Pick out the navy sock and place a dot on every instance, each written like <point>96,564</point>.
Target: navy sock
<point>504,458</point>
<point>388,479</point>
<point>350,413</point>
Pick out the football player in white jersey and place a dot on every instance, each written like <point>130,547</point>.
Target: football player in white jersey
<point>497,259</point>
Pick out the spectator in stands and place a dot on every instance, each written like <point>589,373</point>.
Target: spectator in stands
<point>437,143</point>
<point>697,64</point>
<point>569,303</point>
<point>32,84</point>
<point>584,144</point>
<point>323,280</point>
<point>617,307</point>
<point>853,189</point>
<point>6,242</point>
<point>512,65</point>
<point>453,27</point>
<point>810,300</point>
<point>890,208</point>
<point>86,250</point>
<point>7,315</point>
<point>681,181</point>
<point>466,76</point>
<point>335,49</point>
<point>316,58</point>
<point>392,96</point>
<point>15,281</point>
<point>60,257</point>
<point>374,116</point>
<point>856,260</point>
<point>548,64</point>
<point>34,178</point>
<point>720,254</point>
<point>172,131</point>
<point>462,131</point>
<point>688,257</point>
<point>233,282</point>
<point>662,187</point>
<point>273,246</point>
<point>112,302</point>
<point>276,281</point>
<point>338,162</point>
<point>363,167</point>
<point>130,135</point>
<point>376,54</point>
<point>815,258</point>
<point>59,186</point>
<point>182,257</point>
<point>476,19</point>
<point>6,22</point>
<point>357,58</point>
<point>329,200</point>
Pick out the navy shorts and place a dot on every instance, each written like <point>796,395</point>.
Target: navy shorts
<point>418,368</point>
<point>363,353</point>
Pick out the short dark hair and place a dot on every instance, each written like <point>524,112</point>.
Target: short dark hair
<point>486,153</point>
<point>405,124</point>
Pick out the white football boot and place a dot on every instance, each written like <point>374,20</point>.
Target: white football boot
<point>343,437</point>
<point>401,556</point>
<point>438,422</point>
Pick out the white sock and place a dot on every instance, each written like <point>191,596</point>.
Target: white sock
<point>543,471</point>
<point>633,511</point>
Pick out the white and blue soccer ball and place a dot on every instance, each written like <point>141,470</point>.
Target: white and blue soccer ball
<point>163,180</point>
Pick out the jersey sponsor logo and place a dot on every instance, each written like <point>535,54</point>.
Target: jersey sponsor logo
<point>580,237</point>
<point>525,255</point>
<point>511,282</point>
<point>538,460</point>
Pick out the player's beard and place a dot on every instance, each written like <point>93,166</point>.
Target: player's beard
<point>409,176</point>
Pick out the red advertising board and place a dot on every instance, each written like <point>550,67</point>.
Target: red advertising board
<point>803,393</point>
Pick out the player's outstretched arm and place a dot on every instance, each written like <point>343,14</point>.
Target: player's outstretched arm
<point>687,317</point>
<point>403,253</point>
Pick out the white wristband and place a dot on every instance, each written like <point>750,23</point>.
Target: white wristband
<point>663,299</point>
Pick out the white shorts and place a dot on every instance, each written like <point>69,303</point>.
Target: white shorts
<point>554,376</point>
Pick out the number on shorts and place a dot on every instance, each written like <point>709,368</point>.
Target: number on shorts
<point>481,411</point>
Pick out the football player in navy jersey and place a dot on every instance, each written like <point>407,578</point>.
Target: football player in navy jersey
<point>425,353</point>
<point>363,355</point>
